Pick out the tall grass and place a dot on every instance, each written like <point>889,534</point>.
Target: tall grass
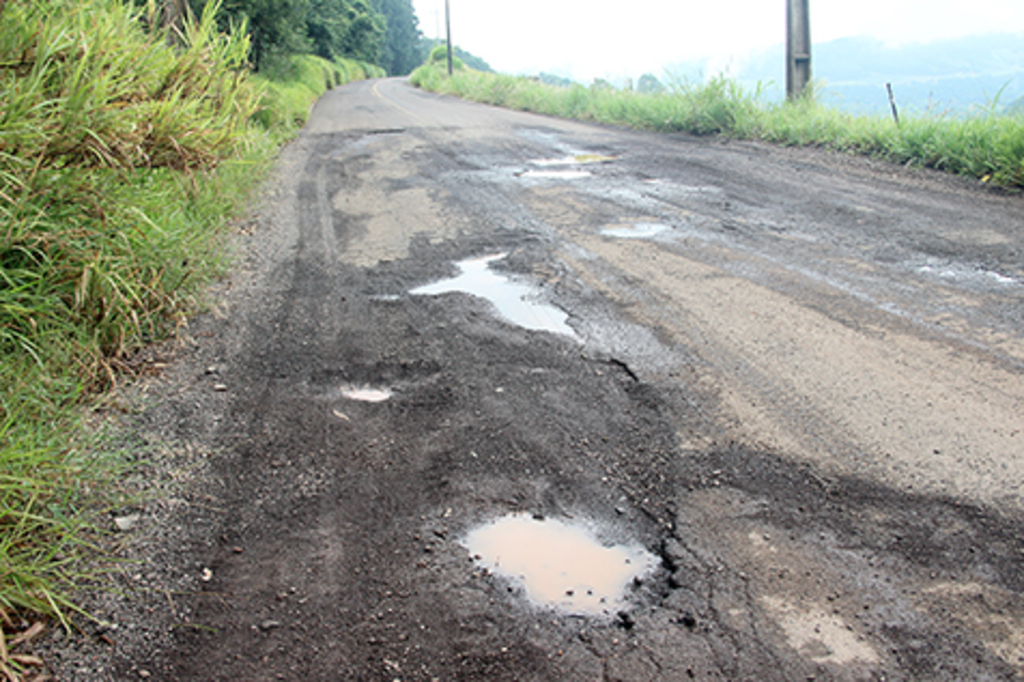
<point>293,82</point>
<point>987,146</point>
<point>96,113</point>
<point>119,156</point>
<point>122,159</point>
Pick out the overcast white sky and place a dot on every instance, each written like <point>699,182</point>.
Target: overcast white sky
<point>587,39</point>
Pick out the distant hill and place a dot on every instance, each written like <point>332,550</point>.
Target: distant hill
<point>942,76</point>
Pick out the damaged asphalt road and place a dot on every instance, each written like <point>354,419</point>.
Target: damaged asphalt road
<point>794,378</point>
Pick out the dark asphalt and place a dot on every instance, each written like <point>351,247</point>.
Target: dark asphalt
<point>745,399</point>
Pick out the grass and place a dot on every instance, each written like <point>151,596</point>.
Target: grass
<point>986,145</point>
<point>122,161</point>
<point>292,83</point>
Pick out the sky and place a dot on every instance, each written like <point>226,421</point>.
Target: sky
<point>584,39</point>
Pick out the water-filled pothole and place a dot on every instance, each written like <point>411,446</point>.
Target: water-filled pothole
<point>515,302</point>
<point>640,230</point>
<point>555,174</point>
<point>366,394</point>
<point>575,159</point>
<point>560,565</point>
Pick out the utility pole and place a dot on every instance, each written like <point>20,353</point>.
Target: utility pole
<point>798,47</point>
<point>448,31</point>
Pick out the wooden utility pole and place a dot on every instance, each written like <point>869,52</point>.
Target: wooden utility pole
<point>448,32</point>
<point>798,47</point>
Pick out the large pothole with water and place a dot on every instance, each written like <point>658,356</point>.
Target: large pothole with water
<point>514,301</point>
<point>561,565</point>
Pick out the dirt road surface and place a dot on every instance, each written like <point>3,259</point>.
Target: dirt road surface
<point>795,379</point>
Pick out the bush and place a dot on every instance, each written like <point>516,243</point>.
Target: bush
<point>294,82</point>
<point>439,55</point>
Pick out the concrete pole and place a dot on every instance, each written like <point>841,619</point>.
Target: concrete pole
<point>798,47</point>
<point>448,32</point>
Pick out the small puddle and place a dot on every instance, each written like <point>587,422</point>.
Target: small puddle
<point>577,159</point>
<point>514,301</point>
<point>366,394</point>
<point>564,174</point>
<point>636,230</point>
<point>555,174</point>
<point>558,564</point>
<point>967,274</point>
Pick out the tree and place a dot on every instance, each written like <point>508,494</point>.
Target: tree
<point>428,45</point>
<point>365,32</point>
<point>649,84</point>
<point>345,28</point>
<point>400,52</point>
<point>326,25</point>
<point>329,28</point>
<point>277,26</point>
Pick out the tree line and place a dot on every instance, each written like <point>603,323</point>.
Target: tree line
<point>381,32</point>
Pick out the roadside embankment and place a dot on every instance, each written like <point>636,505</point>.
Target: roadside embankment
<point>123,160</point>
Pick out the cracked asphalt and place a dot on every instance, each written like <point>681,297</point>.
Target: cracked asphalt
<point>796,378</point>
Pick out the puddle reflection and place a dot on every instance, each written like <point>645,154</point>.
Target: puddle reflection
<point>366,394</point>
<point>514,301</point>
<point>558,564</point>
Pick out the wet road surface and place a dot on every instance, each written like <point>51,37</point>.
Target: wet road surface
<point>793,379</point>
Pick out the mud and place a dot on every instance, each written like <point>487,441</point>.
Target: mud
<point>816,438</point>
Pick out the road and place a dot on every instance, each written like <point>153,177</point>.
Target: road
<point>794,379</point>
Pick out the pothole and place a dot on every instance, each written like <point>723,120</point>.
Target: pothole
<point>638,230</point>
<point>366,394</point>
<point>962,273</point>
<point>560,565</point>
<point>574,159</point>
<point>514,301</point>
<point>555,174</point>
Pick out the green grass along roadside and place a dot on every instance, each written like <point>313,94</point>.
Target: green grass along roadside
<point>122,162</point>
<point>987,146</point>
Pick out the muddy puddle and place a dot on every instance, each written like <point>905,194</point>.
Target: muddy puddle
<point>514,301</point>
<point>559,565</point>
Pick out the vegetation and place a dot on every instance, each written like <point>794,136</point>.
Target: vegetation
<point>383,33</point>
<point>293,83</point>
<point>436,52</point>
<point>124,152</point>
<point>986,145</point>
<point>401,52</point>
<point>949,76</point>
